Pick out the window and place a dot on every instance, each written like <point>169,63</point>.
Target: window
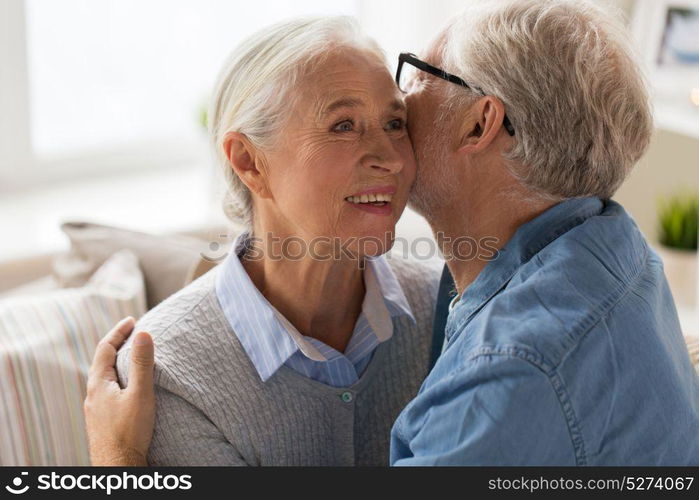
<point>107,84</point>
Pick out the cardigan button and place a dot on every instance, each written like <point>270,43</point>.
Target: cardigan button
<point>346,397</point>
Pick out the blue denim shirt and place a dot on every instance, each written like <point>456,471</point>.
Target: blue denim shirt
<point>566,350</point>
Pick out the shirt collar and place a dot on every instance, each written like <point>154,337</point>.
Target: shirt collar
<point>528,240</point>
<point>453,301</point>
<point>269,339</point>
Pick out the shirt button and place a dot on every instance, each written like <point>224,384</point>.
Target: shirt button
<point>346,397</point>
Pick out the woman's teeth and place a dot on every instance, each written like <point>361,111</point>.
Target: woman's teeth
<point>377,199</point>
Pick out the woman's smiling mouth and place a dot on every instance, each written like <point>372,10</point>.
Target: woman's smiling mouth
<point>375,201</point>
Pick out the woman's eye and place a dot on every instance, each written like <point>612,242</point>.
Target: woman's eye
<point>397,124</point>
<point>344,126</point>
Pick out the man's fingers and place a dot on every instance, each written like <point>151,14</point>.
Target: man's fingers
<point>121,331</point>
<point>103,364</point>
<point>105,354</point>
<point>141,364</point>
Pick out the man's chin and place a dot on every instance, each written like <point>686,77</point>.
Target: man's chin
<point>415,205</point>
<point>421,205</point>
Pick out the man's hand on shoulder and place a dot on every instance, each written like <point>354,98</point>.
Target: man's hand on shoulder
<point>120,421</point>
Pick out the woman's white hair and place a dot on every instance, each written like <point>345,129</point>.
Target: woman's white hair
<point>255,94</point>
<point>570,84</point>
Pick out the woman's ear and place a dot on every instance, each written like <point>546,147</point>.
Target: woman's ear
<point>483,124</point>
<point>247,163</point>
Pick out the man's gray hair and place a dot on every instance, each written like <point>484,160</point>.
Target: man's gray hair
<point>255,92</point>
<point>571,86</point>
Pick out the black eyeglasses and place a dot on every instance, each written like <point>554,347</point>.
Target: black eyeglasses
<point>412,59</point>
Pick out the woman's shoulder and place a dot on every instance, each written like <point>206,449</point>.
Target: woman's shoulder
<point>181,326</point>
<point>416,273</point>
<point>419,280</point>
<point>179,307</point>
<point>412,340</point>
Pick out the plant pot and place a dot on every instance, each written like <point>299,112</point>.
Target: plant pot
<point>681,272</point>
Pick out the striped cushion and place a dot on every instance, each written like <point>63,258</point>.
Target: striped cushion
<point>46,347</point>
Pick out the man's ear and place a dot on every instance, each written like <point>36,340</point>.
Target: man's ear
<point>247,163</point>
<point>483,125</point>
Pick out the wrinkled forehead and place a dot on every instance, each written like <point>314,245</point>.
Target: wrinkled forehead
<point>343,65</point>
<point>350,81</point>
<point>338,101</point>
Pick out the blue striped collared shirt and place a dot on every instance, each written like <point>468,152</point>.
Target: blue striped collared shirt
<point>271,341</point>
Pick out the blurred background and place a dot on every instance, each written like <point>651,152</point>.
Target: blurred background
<point>101,106</point>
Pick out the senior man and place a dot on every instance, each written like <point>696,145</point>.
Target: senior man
<point>564,347</point>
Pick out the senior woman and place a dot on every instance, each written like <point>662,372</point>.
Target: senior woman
<point>312,341</point>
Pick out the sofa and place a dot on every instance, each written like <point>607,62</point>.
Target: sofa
<point>55,308</point>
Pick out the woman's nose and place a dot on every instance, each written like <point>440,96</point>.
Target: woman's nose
<point>383,155</point>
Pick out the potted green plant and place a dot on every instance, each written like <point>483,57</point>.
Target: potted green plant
<point>679,226</point>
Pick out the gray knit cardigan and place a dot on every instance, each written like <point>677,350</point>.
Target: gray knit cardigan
<point>213,409</point>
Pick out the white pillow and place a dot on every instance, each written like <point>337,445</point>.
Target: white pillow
<point>46,347</point>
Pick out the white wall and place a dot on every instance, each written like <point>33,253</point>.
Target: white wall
<point>396,32</point>
<point>14,133</point>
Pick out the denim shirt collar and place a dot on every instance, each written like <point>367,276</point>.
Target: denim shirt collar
<point>528,240</point>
